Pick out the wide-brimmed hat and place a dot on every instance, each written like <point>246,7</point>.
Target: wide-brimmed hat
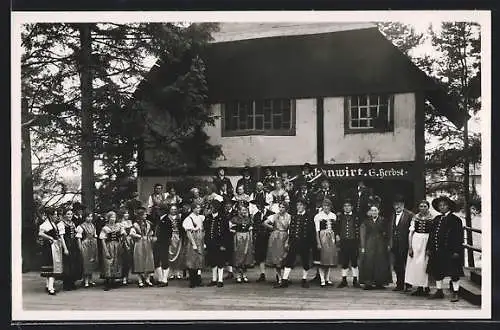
<point>215,204</point>
<point>301,200</point>
<point>451,204</point>
<point>259,202</point>
<point>228,200</point>
<point>348,201</point>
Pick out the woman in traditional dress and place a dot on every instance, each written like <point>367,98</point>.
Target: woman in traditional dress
<point>72,262</point>
<point>172,198</point>
<point>143,234</point>
<point>196,197</point>
<point>416,264</point>
<point>177,247</point>
<point>278,240</point>
<point>240,196</point>
<point>278,196</point>
<point>112,250</point>
<point>53,246</point>
<point>128,244</point>
<point>325,224</point>
<point>193,225</point>
<point>241,226</point>
<point>375,267</point>
<point>87,242</point>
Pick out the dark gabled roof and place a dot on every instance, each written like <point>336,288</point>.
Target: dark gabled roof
<point>318,65</point>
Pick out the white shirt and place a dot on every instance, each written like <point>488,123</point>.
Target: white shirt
<point>324,216</point>
<point>398,217</point>
<point>193,222</point>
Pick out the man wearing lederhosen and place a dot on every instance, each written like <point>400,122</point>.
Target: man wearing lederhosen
<point>301,239</point>
<point>348,236</point>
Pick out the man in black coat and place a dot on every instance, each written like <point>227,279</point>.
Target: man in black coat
<point>400,220</point>
<point>326,192</point>
<point>348,225</point>
<point>301,239</point>
<point>246,181</point>
<point>222,183</point>
<point>163,232</point>
<point>359,197</point>
<point>444,247</point>
<point>217,241</point>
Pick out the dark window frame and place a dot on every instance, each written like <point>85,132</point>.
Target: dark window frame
<point>264,131</point>
<point>383,127</point>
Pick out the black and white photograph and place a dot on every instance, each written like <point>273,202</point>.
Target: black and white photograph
<point>251,165</point>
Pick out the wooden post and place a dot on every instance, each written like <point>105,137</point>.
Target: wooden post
<point>468,220</point>
<point>87,140</point>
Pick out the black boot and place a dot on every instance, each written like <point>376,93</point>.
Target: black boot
<point>199,282</point>
<point>262,278</point>
<point>304,283</point>
<point>418,293</point>
<point>355,282</point>
<point>343,284</point>
<point>107,285</point>
<point>192,278</point>
<point>284,283</point>
<point>454,296</point>
<point>438,294</point>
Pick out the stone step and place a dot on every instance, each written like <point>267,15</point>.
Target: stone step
<point>470,291</point>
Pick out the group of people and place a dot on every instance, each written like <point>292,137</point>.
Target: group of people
<point>269,223</point>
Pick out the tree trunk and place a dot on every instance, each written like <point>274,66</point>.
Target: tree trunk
<point>87,152</point>
<point>28,224</point>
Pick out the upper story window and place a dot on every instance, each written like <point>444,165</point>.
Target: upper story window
<point>263,117</point>
<point>369,113</point>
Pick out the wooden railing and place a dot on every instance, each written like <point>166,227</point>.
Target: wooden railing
<point>470,247</point>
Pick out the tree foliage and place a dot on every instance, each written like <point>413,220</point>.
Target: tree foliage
<point>455,65</point>
<point>122,55</point>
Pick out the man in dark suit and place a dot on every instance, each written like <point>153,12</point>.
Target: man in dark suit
<point>359,197</point>
<point>246,181</point>
<point>400,220</point>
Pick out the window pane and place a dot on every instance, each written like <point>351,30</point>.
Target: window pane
<point>285,104</point>
<point>234,122</point>
<point>383,99</point>
<point>383,111</point>
<point>354,101</point>
<point>354,124</point>
<point>267,125</point>
<point>363,123</point>
<point>355,113</point>
<point>259,123</point>
<point>250,121</point>
<point>363,113</point>
<point>267,115</point>
<point>285,125</point>
<point>369,123</point>
<point>373,112</point>
<point>277,122</point>
<point>259,107</point>
<point>243,123</point>
<point>362,100</point>
<point>286,114</point>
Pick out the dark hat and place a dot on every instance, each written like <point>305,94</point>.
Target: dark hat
<point>451,204</point>
<point>348,201</point>
<point>259,202</point>
<point>228,201</point>
<point>215,204</point>
<point>327,201</point>
<point>374,200</point>
<point>77,206</point>
<point>398,199</point>
<point>141,208</point>
<point>245,169</point>
<point>308,166</point>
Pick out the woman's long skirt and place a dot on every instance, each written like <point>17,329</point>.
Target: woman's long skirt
<point>143,256</point>
<point>52,260</point>
<point>375,267</point>
<point>243,250</point>
<point>416,266</point>
<point>328,252</point>
<point>176,252</point>
<point>128,256</point>
<point>72,263</point>
<point>112,266</point>
<point>90,256</point>
<point>276,252</point>
<point>195,259</point>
